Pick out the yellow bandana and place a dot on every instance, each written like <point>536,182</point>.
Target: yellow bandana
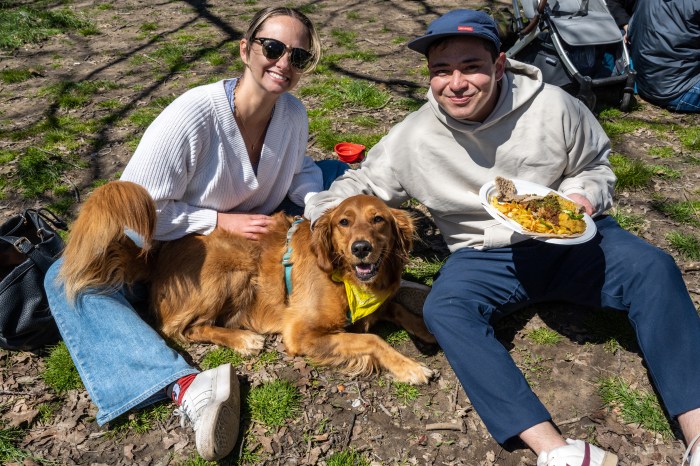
<point>361,302</point>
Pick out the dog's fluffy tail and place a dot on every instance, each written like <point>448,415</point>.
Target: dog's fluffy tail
<point>101,254</point>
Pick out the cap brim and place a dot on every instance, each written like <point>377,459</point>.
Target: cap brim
<point>422,44</point>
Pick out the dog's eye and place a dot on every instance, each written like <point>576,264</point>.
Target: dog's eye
<point>378,219</point>
<point>344,222</point>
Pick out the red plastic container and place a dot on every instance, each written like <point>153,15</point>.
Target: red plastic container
<point>350,152</point>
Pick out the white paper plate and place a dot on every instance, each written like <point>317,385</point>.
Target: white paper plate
<point>527,187</point>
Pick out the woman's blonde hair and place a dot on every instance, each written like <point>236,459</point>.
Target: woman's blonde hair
<point>270,12</point>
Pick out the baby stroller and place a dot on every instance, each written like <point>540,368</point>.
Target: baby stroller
<point>578,47</point>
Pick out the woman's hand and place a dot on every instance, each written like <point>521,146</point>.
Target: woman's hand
<point>252,226</point>
<point>582,201</point>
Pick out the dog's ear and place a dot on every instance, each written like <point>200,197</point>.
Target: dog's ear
<point>321,242</point>
<point>403,232</point>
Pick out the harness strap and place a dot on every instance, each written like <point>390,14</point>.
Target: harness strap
<point>286,258</point>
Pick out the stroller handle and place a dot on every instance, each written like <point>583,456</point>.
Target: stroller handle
<point>535,19</point>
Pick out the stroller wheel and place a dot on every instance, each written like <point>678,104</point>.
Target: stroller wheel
<point>626,104</point>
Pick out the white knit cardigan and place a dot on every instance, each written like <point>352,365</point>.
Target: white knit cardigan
<point>193,161</point>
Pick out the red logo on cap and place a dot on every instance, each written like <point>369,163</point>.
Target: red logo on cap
<point>465,28</point>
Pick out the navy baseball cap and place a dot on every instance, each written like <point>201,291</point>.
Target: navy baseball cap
<point>458,23</point>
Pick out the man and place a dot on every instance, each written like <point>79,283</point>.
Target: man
<point>487,116</point>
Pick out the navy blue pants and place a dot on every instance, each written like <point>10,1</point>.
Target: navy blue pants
<point>614,270</point>
<point>330,169</point>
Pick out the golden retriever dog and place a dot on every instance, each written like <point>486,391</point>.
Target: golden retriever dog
<point>225,289</point>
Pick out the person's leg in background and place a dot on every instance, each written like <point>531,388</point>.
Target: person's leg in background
<point>688,102</point>
<point>331,169</point>
<point>125,364</point>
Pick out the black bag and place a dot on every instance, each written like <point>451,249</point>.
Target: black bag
<point>28,246</point>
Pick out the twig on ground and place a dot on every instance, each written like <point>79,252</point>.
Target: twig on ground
<point>573,420</point>
<point>11,392</point>
<point>443,426</point>
<point>692,267</point>
<point>76,191</point>
<point>386,411</point>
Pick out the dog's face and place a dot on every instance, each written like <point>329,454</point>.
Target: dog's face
<point>363,236</point>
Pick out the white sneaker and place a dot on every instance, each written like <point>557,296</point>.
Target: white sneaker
<point>411,295</point>
<point>577,453</point>
<point>212,403</point>
<point>693,460</point>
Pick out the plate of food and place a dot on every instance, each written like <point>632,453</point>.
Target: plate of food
<point>537,211</point>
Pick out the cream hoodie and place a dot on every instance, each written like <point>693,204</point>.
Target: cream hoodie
<point>536,132</point>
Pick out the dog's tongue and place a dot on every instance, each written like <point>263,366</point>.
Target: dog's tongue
<point>364,268</point>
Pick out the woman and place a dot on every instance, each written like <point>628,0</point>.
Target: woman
<point>222,155</point>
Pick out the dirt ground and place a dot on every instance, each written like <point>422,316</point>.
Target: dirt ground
<point>439,427</point>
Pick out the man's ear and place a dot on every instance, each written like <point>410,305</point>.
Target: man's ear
<point>500,66</point>
<point>321,242</point>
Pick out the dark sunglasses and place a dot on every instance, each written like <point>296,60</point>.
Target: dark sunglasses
<point>273,49</point>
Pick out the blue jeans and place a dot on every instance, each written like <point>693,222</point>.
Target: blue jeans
<point>331,169</point>
<point>613,270</point>
<point>122,360</point>
<point>688,102</point>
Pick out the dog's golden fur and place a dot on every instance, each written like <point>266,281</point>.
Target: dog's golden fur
<point>222,288</point>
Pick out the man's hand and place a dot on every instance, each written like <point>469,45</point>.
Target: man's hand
<point>252,226</point>
<point>582,201</point>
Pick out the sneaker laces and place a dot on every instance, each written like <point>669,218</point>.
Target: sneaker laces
<point>190,410</point>
<point>687,455</point>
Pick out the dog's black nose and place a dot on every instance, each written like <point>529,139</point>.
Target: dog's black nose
<point>361,248</point>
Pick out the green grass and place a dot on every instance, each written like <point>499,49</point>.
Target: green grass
<point>665,172</point>
<point>397,336</point>
<point>340,93</point>
<point>13,76</point>
<point>664,152</point>
<point>24,25</point>
<point>60,373</point>
<point>144,116</point>
<point>347,458</point>
<point>688,245</point>
<point>70,94</point>
<point>615,123</point>
<point>544,336</point>
<point>405,392</point>
<point>47,411</point>
<point>422,271</point>
<point>142,420</point>
<point>690,137</point>
<point>681,211</point>
<point>195,460</point>
<point>265,358</point>
<point>274,402</point>
<point>9,446</point>
<point>630,222</point>
<point>344,38</point>
<point>39,171</point>
<point>410,104</point>
<point>7,156</point>
<point>636,406</point>
<point>365,121</point>
<point>631,174</point>
<point>220,356</point>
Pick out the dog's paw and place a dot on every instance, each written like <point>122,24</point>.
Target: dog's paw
<point>416,374</point>
<point>251,343</point>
